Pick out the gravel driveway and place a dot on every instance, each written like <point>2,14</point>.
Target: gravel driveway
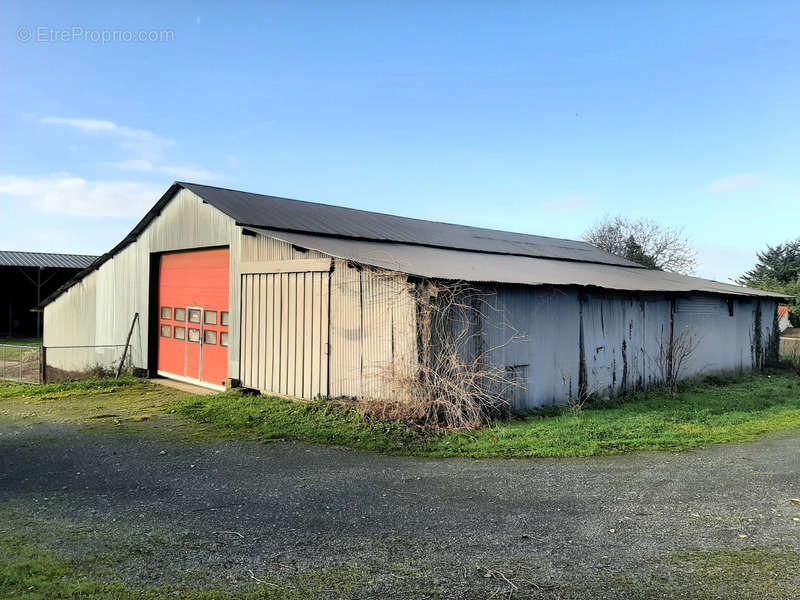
<point>219,513</point>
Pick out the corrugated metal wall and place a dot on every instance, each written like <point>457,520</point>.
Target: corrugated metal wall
<point>373,331</point>
<point>261,248</point>
<point>607,341</point>
<point>372,321</point>
<point>389,343</point>
<point>621,337</point>
<point>100,308</point>
<point>285,333</point>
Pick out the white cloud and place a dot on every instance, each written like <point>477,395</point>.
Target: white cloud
<point>147,148</point>
<point>179,172</point>
<point>70,195</point>
<point>101,126</point>
<point>143,143</point>
<point>735,183</point>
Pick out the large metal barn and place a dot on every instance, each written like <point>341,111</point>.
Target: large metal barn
<point>307,299</point>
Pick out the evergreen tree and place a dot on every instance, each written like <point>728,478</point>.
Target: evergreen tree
<point>779,264</point>
<point>635,252</point>
<point>778,270</point>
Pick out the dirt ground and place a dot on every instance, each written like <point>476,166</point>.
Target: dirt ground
<point>177,509</point>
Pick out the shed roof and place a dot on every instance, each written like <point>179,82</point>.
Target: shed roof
<point>44,260</point>
<point>427,248</point>
<point>444,263</point>
<point>309,217</point>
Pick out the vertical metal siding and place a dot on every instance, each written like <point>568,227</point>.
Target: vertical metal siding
<point>621,338</point>
<point>262,248</point>
<point>371,320</point>
<point>346,332</point>
<point>99,309</point>
<point>373,331</point>
<point>285,333</point>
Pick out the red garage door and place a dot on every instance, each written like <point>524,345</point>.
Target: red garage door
<point>193,291</point>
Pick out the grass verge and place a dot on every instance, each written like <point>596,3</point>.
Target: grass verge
<point>714,411</point>
<point>28,341</point>
<point>30,572</point>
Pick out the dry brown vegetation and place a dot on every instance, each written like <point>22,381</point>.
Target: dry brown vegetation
<point>674,354</point>
<point>454,384</point>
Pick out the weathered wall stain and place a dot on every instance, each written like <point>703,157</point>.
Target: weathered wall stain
<point>623,333</point>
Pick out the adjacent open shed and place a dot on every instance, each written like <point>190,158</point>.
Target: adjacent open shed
<point>308,299</point>
<point>27,278</point>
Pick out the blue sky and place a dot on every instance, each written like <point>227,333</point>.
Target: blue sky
<point>540,117</point>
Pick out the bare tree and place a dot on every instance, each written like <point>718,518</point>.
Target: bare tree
<point>455,384</point>
<point>645,242</point>
<point>674,352</point>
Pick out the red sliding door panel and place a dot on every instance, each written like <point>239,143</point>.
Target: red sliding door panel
<point>193,291</point>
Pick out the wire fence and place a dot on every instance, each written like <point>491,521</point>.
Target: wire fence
<point>790,348</point>
<point>21,363</point>
<point>39,364</point>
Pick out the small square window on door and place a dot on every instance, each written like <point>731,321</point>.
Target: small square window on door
<point>194,316</point>
<point>210,337</point>
<point>180,314</point>
<point>180,333</point>
<point>194,335</point>
<point>166,312</point>
<point>223,318</point>
<point>210,317</point>
<point>223,338</point>
<point>166,331</point>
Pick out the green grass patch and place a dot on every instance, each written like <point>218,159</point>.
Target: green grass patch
<point>714,411</point>
<point>323,421</point>
<point>65,389</point>
<point>754,572</point>
<point>21,341</point>
<point>100,402</point>
<point>28,571</point>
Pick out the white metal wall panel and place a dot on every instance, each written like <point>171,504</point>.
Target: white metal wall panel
<point>621,339</point>
<point>262,248</point>
<point>120,287</point>
<point>346,331</point>
<point>285,333</point>
<point>547,321</point>
<point>377,349</point>
<point>373,331</point>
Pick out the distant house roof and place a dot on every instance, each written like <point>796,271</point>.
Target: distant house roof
<point>783,311</point>
<point>427,248</point>
<point>44,260</point>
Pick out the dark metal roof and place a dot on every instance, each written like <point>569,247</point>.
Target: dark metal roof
<point>283,214</point>
<point>446,263</point>
<point>392,235</point>
<point>44,260</point>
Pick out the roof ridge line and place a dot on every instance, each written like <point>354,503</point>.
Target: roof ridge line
<point>383,214</point>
